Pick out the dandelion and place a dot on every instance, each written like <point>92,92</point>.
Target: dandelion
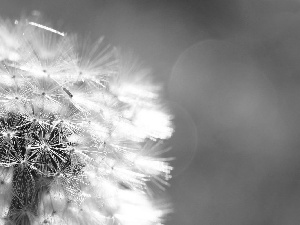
<point>80,132</point>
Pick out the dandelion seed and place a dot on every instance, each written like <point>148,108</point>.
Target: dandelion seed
<point>95,63</point>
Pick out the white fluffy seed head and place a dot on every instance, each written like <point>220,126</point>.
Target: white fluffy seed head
<point>73,123</point>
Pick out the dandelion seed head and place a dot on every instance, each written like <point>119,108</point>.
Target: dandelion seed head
<point>74,117</point>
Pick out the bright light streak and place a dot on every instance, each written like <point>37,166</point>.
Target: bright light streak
<point>46,28</point>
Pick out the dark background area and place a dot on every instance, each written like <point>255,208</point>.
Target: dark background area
<point>231,75</point>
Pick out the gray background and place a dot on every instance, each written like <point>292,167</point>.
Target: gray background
<point>231,75</point>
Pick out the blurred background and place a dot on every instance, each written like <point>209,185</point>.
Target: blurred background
<point>231,75</point>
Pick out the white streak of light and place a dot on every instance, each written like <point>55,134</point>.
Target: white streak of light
<point>46,28</point>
